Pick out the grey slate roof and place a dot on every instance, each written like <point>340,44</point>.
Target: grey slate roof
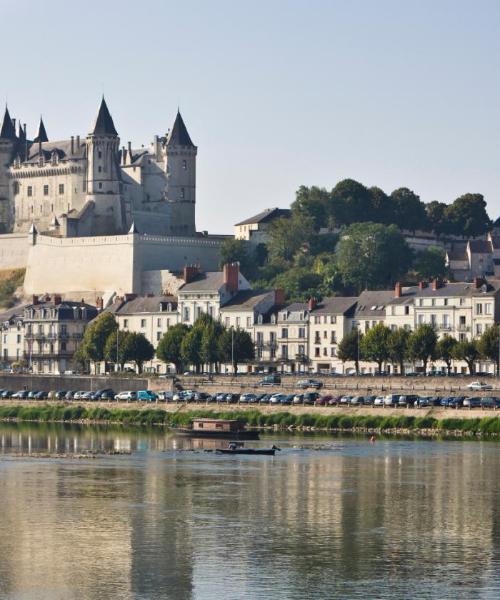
<point>267,215</point>
<point>246,300</point>
<point>459,289</point>
<point>42,134</point>
<point>147,304</point>
<point>205,282</point>
<point>480,246</point>
<point>62,147</point>
<point>8,131</point>
<point>104,123</point>
<point>335,306</point>
<point>373,303</point>
<point>458,251</point>
<point>11,313</point>
<point>179,135</point>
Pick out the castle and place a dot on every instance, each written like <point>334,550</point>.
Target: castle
<point>88,215</point>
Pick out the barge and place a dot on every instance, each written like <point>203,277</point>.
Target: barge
<point>218,428</point>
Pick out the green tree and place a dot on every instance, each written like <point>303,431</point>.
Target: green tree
<point>349,349</point>
<point>375,344</point>
<point>169,347</point>
<point>118,352</point>
<point>235,346</point>
<point>209,332</point>
<point>191,347</point>
<point>436,217</point>
<point>95,337</point>
<point>398,347</point>
<point>468,352</point>
<point>430,264</point>
<point>298,283</point>
<point>410,211</point>
<point>350,202</point>
<point>422,344</point>
<point>238,251</point>
<point>488,346</point>
<point>287,236</point>
<point>312,203</point>
<point>467,215</point>
<point>140,349</point>
<point>371,255</point>
<point>445,349</point>
<point>384,209</point>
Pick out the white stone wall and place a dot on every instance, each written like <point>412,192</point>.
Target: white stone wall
<point>14,250</point>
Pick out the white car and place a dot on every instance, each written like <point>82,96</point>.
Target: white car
<point>127,396</point>
<point>478,385</point>
<point>379,401</point>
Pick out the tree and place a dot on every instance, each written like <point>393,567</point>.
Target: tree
<point>383,206</point>
<point>371,255</point>
<point>436,217</point>
<point>375,344</point>
<point>488,346</point>
<point>95,337</point>
<point>210,332</point>
<point>169,347</point>
<point>349,349</point>
<point>238,251</point>
<point>431,263</point>
<point>422,344</point>
<point>468,352</point>
<point>118,352</point>
<point>190,348</point>
<point>350,202</point>
<point>445,349</point>
<point>410,211</point>
<point>140,349</point>
<point>298,283</point>
<point>235,346</point>
<point>287,236</point>
<point>467,215</point>
<point>312,203</point>
<point>398,347</point>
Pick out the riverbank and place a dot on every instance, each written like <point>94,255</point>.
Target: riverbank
<point>425,425</point>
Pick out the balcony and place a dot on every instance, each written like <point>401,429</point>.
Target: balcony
<point>463,328</point>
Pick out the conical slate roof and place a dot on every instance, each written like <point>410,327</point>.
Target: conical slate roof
<point>179,135</point>
<point>8,131</point>
<point>21,136</point>
<point>133,228</point>
<point>42,134</point>
<point>104,123</point>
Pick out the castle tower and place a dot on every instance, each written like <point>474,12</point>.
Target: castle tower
<point>181,178</point>
<point>103,174</point>
<point>42,133</point>
<point>8,143</point>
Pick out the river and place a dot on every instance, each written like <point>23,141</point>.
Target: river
<point>328,517</point>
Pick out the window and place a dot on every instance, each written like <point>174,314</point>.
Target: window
<point>333,320</point>
<point>186,313</point>
<point>487,309</point>
<point>325,335</point>
<point>462,301</point>
<point>125,323</point>
<point>317,339</point>
<point>99,154</point>
<point>198,312</point>
<point>99,169</point>
<point>184,165</point>
<point>317,320</point>
<point>446,301</point>
<point>18,339</point>
<point>302,332</point>
<point>433,320</point>
<point>421,302</point>
<point>301,350</point>
<point>433,302</point>
<point>227,321</point>
<point>332,352</point>
<point>284,333</point>
<point>238,320</point>
<point>316,352</point>
<point>63,346</point>
<point>16,188</point>
<point>158,322</point>
<point>479,309</point>
<point>249,321</point>
<point>333,338</point>
<point>479,329</point>
<point>284,352</point>
<point>61,188</point>
<point>100,185</point>
<point>45,190</point>
<point>420,319</point>
<point>158,336</point>
<point>30,191</point>
<point>183,193</point>
<point>407,310</point>
<point>325,351</point>
<point>143,323</point>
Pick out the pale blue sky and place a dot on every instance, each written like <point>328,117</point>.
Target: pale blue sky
<point>275,94</point>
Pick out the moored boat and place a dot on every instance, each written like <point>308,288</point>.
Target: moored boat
<point>218,428</point>
<point>239,450</point>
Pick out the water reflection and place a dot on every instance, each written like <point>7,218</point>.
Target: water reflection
<point>395,519</point>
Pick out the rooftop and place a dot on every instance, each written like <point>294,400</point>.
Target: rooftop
<point>247,300</point>
<point>267,215</point>
<point>146,304</point>
<point>205,282</point>
<point>335,306</point>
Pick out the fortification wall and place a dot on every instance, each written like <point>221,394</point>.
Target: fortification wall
<point>70,265</point>
<point>14,249</point>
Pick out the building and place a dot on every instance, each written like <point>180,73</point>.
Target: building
<point>12,336</point>
<point>68,203</point>
<point>53,330</point>
<point>255,229</point>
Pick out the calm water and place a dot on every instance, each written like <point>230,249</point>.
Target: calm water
<point>326,518</point>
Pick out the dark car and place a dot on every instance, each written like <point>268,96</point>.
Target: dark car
<point>288,399</point>
<point>488,402</point>
<point>309,383</point>
<point>21,395</point>
<point>472,402</point>
<point>455,401</point>
<point>310,397</point>
<point>7,394</point>
<point>232,398</point>
<point>270,380</point>
<point>41,396</point>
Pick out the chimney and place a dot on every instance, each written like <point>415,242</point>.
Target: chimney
<point>422,285</point>
<point>190,272</point>
<point>35,299</point>
<point>397,290</point>
<point>72,144</point>
<point>311,304</point>
<point>99,303</point>
<point>77,141</point>
<point>436,284</point>
<point>57,299</point>
<point>129,297</point>
<point>231,275</point>
<point>478,282</point>
<point>279,297</point>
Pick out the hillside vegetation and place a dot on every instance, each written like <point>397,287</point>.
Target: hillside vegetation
<point>10,280</point>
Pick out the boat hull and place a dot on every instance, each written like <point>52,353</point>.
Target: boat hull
<point>224,435</point>
<point>262,452</point>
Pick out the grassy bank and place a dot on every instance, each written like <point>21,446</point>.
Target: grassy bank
<point>282,420</point>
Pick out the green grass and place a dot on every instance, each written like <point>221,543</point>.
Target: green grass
<point>155,416</point>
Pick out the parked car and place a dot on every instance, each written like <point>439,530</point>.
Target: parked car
<point>369,400</point>
<point>69,395</point>
<point>276,398</point>
<point>391,400</point>
<point>265,399</point>
<point>146,396</point>
<point>379,401</point>
<point>41,396</point>
<point>274,379</point>
<point>287,399</point>
<point>423,402</point>
<point>248,398</point>
<point>31,395</point>
<point>21,395</point>
<point>309,383</point>
<point>166,396</point>
<point>126,396</point>
<point>344,400</point>
<point>7,394</point>
<point>479,385</point>
<point>472,402</point>
<point>310,397</point>
<point>455,402</point>
<point>357,400</point>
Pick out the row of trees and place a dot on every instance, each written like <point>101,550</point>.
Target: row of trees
<point>351,202</point>
<point>207,342</point>
<point>383,345</point>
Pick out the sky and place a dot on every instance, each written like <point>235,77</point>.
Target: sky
<point>275,94</point>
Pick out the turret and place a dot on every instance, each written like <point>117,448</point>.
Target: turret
<point>42,133</point>
<point>181,178</point>
<point>8,144</point>
<point>103,173</point>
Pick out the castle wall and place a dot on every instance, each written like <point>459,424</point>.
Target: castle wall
<point>14,250</point>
